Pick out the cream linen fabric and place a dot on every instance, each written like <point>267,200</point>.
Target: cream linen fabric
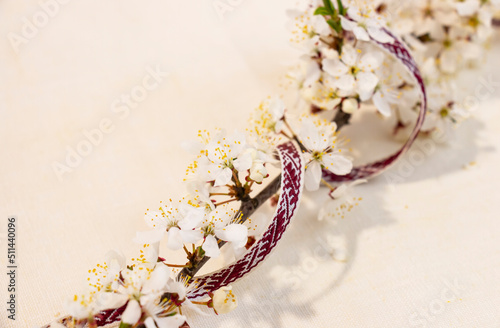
<point>420,252</point>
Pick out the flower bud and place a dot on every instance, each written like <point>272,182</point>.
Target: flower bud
<point>224,301</point>
<point>258,171</point>
<point>350,106</point>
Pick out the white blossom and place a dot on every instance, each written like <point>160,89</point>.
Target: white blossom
<point>177,220</point>
<point>81,306</point>
<point>223,154</point>
<point>467,7</point>
<point>365,25</point>
<point>319,139</point>
<point>218,223</point>
<point>305,27</point>
<point>354,73</point>
<point>341,200</point>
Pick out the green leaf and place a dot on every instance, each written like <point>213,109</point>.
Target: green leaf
<point>342,10</point>
<point>329,6</point>
<point>322,11</point>
<point>335,25</point>
<point>124,325</point>
<point>335,17</point>
<point>201,252</point>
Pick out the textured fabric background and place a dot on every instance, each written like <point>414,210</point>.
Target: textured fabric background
<point>419,251</point>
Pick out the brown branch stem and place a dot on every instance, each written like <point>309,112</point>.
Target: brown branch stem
<point>247,208</point>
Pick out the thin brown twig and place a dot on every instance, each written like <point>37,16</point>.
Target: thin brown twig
<point>226,201</point>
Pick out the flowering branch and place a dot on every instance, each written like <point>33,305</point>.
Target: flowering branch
<point>250,205</point>
<point>342,69</point>
<point>247,208</point>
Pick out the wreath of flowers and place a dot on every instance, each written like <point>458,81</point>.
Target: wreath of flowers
<point>401,59</point>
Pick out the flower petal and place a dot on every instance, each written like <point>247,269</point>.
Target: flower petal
<point>243,162</point>
<point>151,253</point>
<point>234,233</point>
<point>346,83</point>
<point>361,33</point>
<point>106,301</point>
<point>320,25</point>
<point>157,280</point>
<point>309,135</point>
<point>382,104</point>
<point>132,313</point>
<point>340,191</point>
<point>177,287</point>
<point>277,108</point>
<point>154,219</point>
<point>170,322</point>
<point>223,177</point>
<point>213,151</point>
<point>211,247</point>
<point>174,239</point>
<point>371,61</point>
<point>366,84</point>
<point>337,164</point>
<point>467,8</point>
<point>191,236</point>
<point>115,259</point>
<point>448,61</point>
<point>192,218</point>
<point>347,24</point>
<point>313,73</point>
<point>237,143</point>
<point>349,55</point>
<point>212,170</point>
<point>334,67</point>
<point>150,323</point>
<point>379,35</point>
<point>312,176</point>
<point>354,13</point>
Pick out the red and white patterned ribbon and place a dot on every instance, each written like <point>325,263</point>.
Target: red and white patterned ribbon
<point>400,51</point>
<point>292,182</point>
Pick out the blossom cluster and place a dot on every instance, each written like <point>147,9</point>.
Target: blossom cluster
<point>145,289</point>
<point>342,68</point>
<point>150,290</point>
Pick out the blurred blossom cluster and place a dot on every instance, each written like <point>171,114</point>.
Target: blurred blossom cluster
<point>341,68</point>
